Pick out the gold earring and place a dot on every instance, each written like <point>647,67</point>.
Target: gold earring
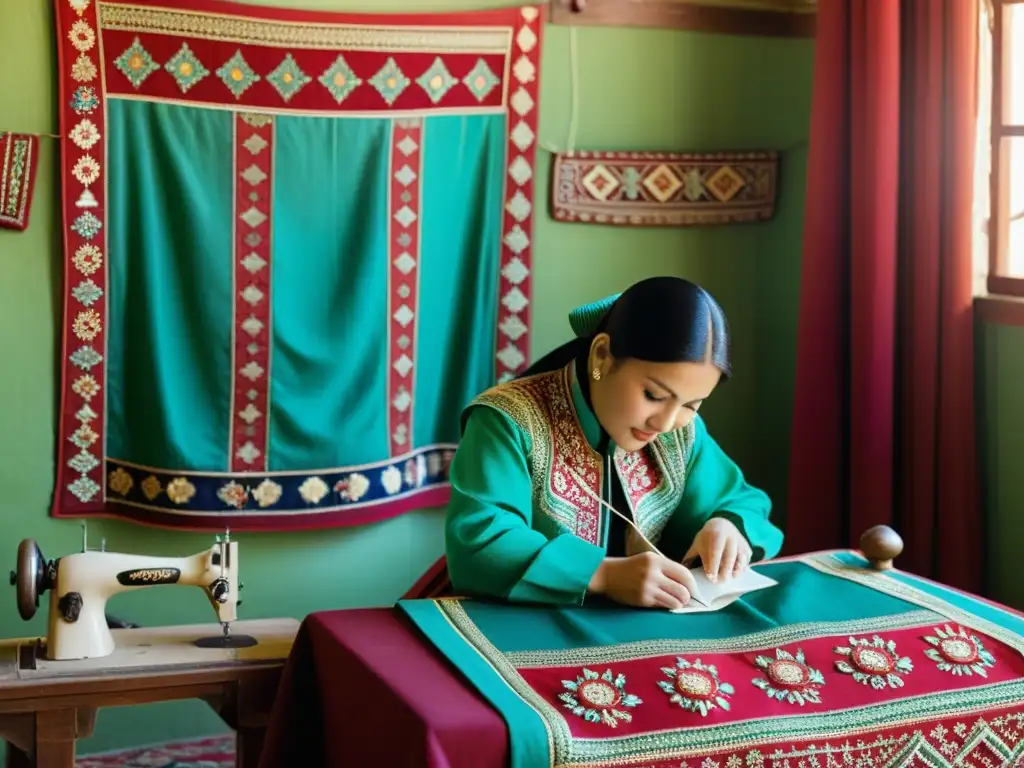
<point>597,374</point>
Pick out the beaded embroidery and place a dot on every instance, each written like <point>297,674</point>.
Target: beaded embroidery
<point>599,698</point>
<point>958,652</point>
<point>874,662</point>
<point>788,678</point>
<point>696,687</point>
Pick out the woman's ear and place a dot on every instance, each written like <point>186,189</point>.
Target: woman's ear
<point>600,355</point>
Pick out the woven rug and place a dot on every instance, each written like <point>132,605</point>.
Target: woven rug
<point>207,752</point>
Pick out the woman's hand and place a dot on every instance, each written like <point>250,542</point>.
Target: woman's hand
<point>646,580</point>
<point>722,549</point>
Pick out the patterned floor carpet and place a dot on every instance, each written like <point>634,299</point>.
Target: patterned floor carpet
<point>209,752</point>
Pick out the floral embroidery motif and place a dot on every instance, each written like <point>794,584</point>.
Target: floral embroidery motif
<point>86,170</point>
<point>82,36</point>
<point>237,75</point>
<point>83,70</point>
<point>416,471</point>
<point>267,493</point>
<point>84,100</point>
<point>180,490</point>
<point>352,488</point>
<point>186,68</point>
<point>151,487</point>
<point>136,64</point>
<point>389,81</point>
<point>87,292</point>
<point>959,652</point>
<point>84,488</point>
<point>599,698</point>
<point>788,678</point>
<point>288,79</point>
<point>85,134</point>
<point>436,81</point>
<point>87,259</point>
<point>85,358</point>
<point>120,481</point>
<point>339,79</point>
<point>84,437</point>
<point>481,80</point>
<point>391,479</point>
<point>233,494</point>
<point>696,687</point>
<point>85,387</point>
<point>87,225</point>
<point>874,662</point>
<point>313,490</point>
<point>83,462</point>
<point>79,6</point>
<point>87,325</point>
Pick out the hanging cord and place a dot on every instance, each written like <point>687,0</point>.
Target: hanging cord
<point>574,100</point>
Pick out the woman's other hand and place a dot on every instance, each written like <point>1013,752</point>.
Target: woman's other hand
<point>722,549</point>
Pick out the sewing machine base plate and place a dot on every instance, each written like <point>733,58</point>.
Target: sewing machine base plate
<point>231,641</point>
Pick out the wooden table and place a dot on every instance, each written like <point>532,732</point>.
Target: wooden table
<point>45,706</point>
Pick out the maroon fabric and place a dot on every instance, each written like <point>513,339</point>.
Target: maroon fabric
<point>883,426</point>
<point>363,687</point>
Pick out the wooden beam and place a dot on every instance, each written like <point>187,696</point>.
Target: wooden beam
<point>771,18</point>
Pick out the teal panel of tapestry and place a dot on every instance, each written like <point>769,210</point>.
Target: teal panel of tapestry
<point>294,252</point>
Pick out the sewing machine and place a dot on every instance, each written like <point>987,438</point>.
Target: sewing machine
<point>81,584</point>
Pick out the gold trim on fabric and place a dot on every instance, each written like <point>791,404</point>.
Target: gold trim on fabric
<point>793,633</point>
<point>313,112</point>
<point>294,34</point>
<point>833,566</point>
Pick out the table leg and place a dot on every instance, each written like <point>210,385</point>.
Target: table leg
<point>249,747</point>
<point>56,731</point>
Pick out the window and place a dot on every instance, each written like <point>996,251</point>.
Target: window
<point>1005,97</point>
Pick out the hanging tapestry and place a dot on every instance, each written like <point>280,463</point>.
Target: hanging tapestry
<point>296,244</point>
<point>19,156</point>
<point>647,189</point>
<point>839,665</point>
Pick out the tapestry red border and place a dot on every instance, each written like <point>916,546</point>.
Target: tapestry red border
<point>485,61</point>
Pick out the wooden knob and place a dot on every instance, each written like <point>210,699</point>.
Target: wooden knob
<point>881,545</point>
<point>578,6</point>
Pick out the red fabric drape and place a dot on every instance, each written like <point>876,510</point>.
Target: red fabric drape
<point>883,428</point>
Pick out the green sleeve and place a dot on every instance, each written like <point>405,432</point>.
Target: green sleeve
<point>491,547</point>
<point>715,487</point>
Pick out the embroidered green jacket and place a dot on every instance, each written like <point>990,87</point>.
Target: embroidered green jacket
<point>521,526</point>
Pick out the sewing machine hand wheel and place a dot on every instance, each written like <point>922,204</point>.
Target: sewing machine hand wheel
<point>30,578</point>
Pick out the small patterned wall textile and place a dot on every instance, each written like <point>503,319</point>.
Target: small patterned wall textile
<point>19,155</point>
<point>644,189</point>
<point>296,245</point>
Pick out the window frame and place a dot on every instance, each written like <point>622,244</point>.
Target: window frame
<point>998,282</point>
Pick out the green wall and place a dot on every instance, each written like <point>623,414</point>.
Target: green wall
<point>639,89</point>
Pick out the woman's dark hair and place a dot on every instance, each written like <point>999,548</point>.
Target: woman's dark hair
<point>658,320</point>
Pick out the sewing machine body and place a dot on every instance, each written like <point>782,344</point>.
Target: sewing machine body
<point>81,584</point>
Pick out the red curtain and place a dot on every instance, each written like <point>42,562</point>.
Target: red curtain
<point>884,422</point>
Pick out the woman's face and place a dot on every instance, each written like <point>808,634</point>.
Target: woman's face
<point>636,401</point>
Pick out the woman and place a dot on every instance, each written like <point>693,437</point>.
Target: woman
<point>611,415</point>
